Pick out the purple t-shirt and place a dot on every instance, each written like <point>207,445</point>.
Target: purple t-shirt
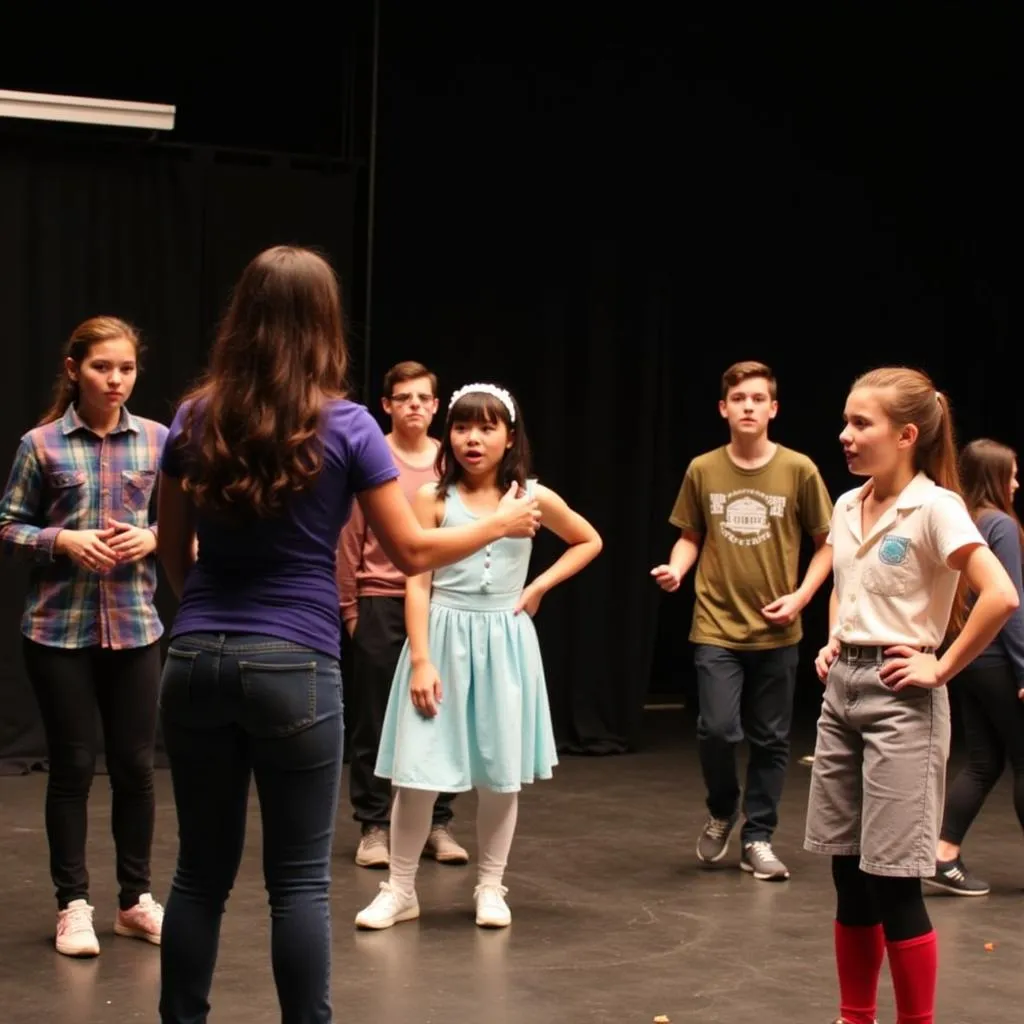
<point>278,576</point>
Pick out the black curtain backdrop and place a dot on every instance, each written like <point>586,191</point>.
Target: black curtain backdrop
<point>157,236</point>
<point>605,214</point>
<point>602,214</point>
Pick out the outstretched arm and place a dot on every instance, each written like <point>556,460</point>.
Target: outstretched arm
<point>584,545</point>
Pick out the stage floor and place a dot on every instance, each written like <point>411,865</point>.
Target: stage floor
<point>613,920</point>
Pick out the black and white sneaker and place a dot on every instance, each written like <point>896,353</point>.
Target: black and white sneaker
<point>951,876</point>
<point>713,842</point>
<point>760,860</point>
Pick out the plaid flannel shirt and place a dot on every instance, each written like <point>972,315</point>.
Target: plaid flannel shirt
<point>65,477</point>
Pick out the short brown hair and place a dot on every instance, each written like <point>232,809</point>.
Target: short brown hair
<point>407,370</point>
<point>747,370</point>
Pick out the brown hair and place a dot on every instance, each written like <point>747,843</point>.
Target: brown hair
<point>251,434</point>
<point>407,370</point>
<point>986,469</point>
<point>93,331</point>
<point>480,407</point>
<point>747,370</point>
<point>909,396</point>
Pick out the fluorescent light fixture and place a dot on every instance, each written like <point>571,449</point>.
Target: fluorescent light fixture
<point>39,106</point>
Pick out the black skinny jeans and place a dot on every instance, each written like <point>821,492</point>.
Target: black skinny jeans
<point>993,719</point>
<point>70,687</point>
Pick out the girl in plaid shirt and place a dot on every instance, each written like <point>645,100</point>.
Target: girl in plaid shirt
<point>77,504</point>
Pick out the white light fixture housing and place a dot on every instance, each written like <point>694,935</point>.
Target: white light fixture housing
<point>39,106</point>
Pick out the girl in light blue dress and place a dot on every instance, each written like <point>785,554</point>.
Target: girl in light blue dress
<point>469,706</point>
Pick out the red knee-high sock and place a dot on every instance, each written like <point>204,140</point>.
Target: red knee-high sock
<point>914,964</point>
<point>859,955</point>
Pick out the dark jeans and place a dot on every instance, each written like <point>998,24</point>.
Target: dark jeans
<point>993,719</point>
<point>70,686</point>
<point>234,707</point>
<point>745,694</point>
<point>376,648</point>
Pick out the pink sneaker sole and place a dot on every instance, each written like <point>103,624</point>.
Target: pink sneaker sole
<point>135,933</point>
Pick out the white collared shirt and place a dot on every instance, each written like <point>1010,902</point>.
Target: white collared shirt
<point>894,586</point>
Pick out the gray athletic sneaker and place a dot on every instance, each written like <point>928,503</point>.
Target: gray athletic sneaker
<point>713,842</point>
<point>760,860</point>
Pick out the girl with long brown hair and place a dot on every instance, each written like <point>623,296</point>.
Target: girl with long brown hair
<point>900,544</point>
<point>990,691</point>
<point>77,504</point>
<point>263,462</point>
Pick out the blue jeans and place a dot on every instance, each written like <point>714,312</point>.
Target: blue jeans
<point>233,706</point>
<point>745,694</point>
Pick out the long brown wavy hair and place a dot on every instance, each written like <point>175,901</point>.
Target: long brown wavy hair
<point>251,434</point>
<point>910,396</point>
<point>93,331</point>
<point>986,468</point>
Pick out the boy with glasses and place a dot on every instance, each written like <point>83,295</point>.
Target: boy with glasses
<point>372,593</point>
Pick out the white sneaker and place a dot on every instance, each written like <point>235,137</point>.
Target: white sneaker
<point>388,908</point>
<point>75,933</point>
<point>491,909</point>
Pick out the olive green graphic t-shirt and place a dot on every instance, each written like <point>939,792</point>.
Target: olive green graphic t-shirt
<point>751,522</point>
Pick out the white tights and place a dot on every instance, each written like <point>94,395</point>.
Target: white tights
<point>411,816</point>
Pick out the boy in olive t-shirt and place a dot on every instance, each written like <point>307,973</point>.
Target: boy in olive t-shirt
<point>743,508</point>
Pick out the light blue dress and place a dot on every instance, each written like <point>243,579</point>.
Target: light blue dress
<point>493,727</point>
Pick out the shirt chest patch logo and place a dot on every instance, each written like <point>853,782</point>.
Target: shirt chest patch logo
<point>745,516</point>
<point>893,550</point>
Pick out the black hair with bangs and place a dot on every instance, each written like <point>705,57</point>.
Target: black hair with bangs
<point>481,407</point>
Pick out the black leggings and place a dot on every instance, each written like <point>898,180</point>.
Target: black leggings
<point>993,717</point>
<point>865,900</point>
<point>71,686</point>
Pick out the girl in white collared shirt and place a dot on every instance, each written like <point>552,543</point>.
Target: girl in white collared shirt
<point>900,544</point>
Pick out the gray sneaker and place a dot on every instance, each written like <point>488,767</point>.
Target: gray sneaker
<point>760,860</point>
<point>713,842</point>
<point>374,848</point>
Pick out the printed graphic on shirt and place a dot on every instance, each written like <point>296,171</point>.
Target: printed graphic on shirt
<point>893,550</point>
<point>746,515</point>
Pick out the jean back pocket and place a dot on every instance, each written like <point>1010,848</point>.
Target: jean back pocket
<point>176,685</point>
<point>280,697</point>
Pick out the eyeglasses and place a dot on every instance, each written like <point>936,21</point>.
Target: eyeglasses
<point>405,397</point>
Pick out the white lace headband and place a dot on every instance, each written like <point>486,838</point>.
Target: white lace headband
<point>487,389</point>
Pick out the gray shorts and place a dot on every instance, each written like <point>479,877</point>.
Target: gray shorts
<point>879,778</point>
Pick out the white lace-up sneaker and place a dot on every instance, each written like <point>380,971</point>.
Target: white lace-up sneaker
<point>75,933</point>
<point>388,908</point>
<point>491,909</point>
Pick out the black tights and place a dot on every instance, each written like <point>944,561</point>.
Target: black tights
<point>864,900</point>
